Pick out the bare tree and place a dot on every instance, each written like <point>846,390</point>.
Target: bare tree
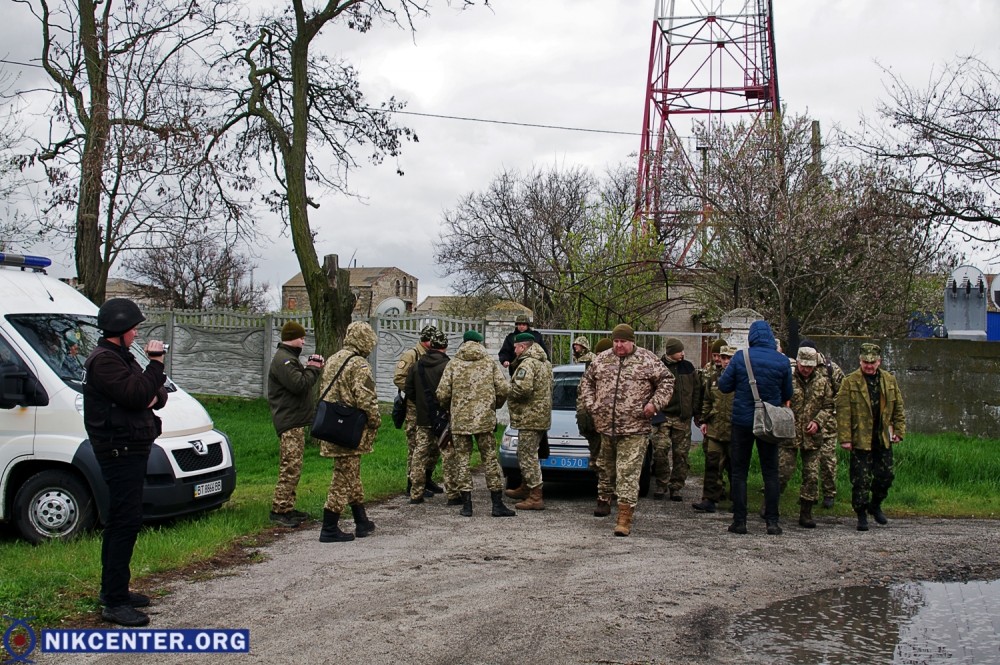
<point>305,114</point>
<point>556,241</point>
<point>16,231</point>
<point>133,115</point>
<point>201,272</point>
<point>944,142</point>
<point>838,248</point>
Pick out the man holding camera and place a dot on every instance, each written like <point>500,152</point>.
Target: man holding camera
<point>290,396</point>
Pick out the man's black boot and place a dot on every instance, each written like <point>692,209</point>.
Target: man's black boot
<point>362,525</point>
<point>499,509</point>
<point>466,510</point>
<point>124,615</point>
<point>431,485</point>
<point>331,533</point>
<point>862,520</point>
<point>739,527</point>
<point>806,520</point>
<point>774,529</point>
<point>876,511</point>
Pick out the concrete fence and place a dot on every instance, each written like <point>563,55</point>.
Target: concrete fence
<point>948,385</point>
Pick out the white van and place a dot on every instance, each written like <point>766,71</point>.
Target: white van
<point>50,482</point>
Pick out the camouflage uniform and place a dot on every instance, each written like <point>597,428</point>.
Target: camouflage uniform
<point>585,355</point>
<point>716,414</point>
<point>671,439</point>
<point>356,387</point>
<point>530,406</point>
<point>615,391</point>
<point>473,387</point>
<point>426,449</point>
<point>828,453</point>
<point>812,400</point>
<point>408,359</point>
<point>290,398</point>
<point>584,423</point>
<point>868,432</point>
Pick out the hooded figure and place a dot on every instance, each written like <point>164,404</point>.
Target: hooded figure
<point>355,387</point>
<point>581,350</point>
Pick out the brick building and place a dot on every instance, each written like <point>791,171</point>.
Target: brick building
<point>378,290</point>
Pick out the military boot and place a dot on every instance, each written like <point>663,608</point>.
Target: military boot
<point>862,520</point>
<point>875,510</point>
<point>624,525</point>
<point>455,501</point>
<point>431,485</point>
<point>704,506</point>
<point>362,525</point>
<point>520,492</point>
<point>603,508</point>
<point>331,533</point>
<point>806,514</point>
<point>774,529</point>
<point>466,510</point>
<point>499,509</point>
<point>533,500</point>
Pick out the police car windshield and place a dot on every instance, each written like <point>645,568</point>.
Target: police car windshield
<point>62,340</point>
<point>564,389</point>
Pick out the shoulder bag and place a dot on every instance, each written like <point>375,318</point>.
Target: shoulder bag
<point>771,423</point>
<point>339,423</point>
<point>399,410</point>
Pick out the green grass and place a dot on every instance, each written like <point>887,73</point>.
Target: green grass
<point>949,476</point>
<point>942,475</point>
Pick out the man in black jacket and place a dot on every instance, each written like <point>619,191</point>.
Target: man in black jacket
<point>671,436</point>
<point>290,396</point>
<point>118,402</point>
<point>521,324</point>
<point>422,382</point>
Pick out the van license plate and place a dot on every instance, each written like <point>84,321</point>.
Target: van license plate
<point>205,489</point>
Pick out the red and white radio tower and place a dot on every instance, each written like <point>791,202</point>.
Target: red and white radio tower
<point>708,59</point>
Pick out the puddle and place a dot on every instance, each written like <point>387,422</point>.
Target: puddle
<point>906,624</point>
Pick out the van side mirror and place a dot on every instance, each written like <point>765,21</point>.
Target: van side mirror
<point>18,387</point>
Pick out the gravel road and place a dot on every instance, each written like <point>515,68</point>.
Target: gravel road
<point>431,587</point>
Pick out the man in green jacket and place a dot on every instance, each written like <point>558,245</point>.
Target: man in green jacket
<point>870,419</point>
<point>290,396</point>
<point>671,435</point>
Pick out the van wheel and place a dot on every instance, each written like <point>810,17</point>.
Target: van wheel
<point>53,504</point>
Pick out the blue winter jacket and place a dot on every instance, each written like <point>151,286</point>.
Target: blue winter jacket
<point>770,368</point>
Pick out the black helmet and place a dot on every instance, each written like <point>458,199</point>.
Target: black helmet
<point>117,316</point>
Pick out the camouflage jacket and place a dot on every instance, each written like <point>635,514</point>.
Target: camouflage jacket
<point>812,399</point>
<point>355,386</point>
<point>530,398</point>
<point>407,359</point>
<point>717,410</point>
<point>472,387</point>
<point>615,390</point>
<point>854,410</point>
<point>707,376</point>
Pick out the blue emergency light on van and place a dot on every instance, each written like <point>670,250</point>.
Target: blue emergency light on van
<point>24,260</point>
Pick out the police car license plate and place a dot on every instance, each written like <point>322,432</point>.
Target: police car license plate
<point>557,462</point>
<point>204,489</point>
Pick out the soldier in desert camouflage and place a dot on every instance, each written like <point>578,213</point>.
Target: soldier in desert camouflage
<point>356,387</point>
<point>622,390</point>
<point>530,407</point>
<point>812,404</point>
<point>473,387</point>
<point>828,453</point>
<point>408,359</point>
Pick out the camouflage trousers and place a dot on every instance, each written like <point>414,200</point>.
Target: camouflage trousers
<point>716,464</point>
<point>345,485</point>
<point>461,451</point>
<point>450,469</point>
<point>871,476</point>
<point>671,446</point>
<point>293,443</point>
<point>528,441</point>
<point>788,460</point>
<point>595,463</point>
<point>424,457</point>
<point>622,456</point>
<point>828,466</point>
<point>410,427</point>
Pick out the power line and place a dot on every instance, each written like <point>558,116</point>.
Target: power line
<point>489,121</point>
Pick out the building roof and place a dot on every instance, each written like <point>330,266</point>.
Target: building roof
<point>359,276</point>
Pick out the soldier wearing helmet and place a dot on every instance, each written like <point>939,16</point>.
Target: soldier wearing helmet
<point>421,383</point>
<point>408,359</point>
<point>522,324</point>
<point>119,397</point>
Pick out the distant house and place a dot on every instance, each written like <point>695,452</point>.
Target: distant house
<point>378,290</point>
<point>475,308</point>
<point>117,287</point>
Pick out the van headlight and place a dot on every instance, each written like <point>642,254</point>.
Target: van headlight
<point>78,403</point>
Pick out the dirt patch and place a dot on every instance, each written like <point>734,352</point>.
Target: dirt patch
<point>554,586</point>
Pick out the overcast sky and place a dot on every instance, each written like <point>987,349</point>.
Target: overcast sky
<point>572,63</point>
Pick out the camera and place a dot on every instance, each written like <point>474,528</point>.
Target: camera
<point>316,358</point>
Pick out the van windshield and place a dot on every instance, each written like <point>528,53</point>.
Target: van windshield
<point>62,340</point>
